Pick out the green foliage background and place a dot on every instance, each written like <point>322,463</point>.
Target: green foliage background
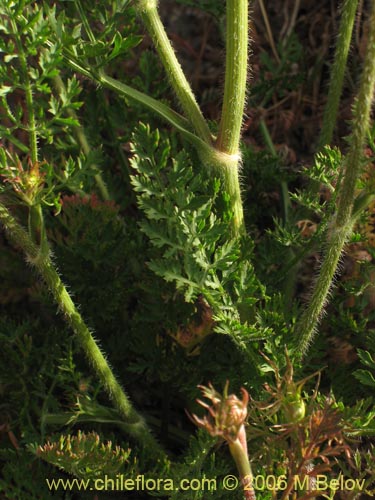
<point>139,264</point>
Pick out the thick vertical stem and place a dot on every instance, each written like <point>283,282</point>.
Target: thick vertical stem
<point>225,167</point>
<point>229,135</point>
<point>348,11</point>
<point>342,223</point>
<point>151,19</point>
<point>42,262</point>
<point>235,77</point>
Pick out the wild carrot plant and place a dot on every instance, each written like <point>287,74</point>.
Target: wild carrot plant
<point>144,222</point>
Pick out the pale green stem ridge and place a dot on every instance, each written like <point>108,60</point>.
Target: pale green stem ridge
<point>342,223</point>
<point>235,77</point>
<point>240,456</point>
<point>175,119</point>
<point>82,139</point>
<point>43,263</point>
<point>284,186</point>
<point>147,9</point>
<point>348,10</point>
<point>85,22</point>
<point>157,107</point>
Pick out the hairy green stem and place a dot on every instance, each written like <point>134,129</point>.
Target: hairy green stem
<point>233,105</point>
<point>82,139</point>
<point>36,220</point>
<point>342,223</point>
<point>147,9</point>
<point>36,227</point>
<point>307,324</point>
<point>43,264</point>
<point>225,167</point>
<point>348,11</point>
<point>224,158</point>
<point>235,77</point>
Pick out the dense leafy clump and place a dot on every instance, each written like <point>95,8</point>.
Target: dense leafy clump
<point>84,455</point>
<point>145,253</point>
<point>181,223</point>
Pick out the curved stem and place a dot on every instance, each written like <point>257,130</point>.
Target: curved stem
<point>151,19</point>
<point>157,107</point>
<point>173,118</point>
<point>43,263</point>
<point>342,223</point>
<point>235,77</point>
<point>283,184</point>
<point>348,11</point>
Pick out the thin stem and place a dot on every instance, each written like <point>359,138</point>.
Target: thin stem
<point>269,31</point>
<point>82,139</point>
<point>151,19</point>
<point>33,137</point>
<point>289,283</point>
<point>342,223</point>
<point>283,185</point>
<point>36,220</point>
<point>235,77</point>
<point>348,10</point>
<point>42,262</point>
<point>293,19</point>
<point>85,22</point>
